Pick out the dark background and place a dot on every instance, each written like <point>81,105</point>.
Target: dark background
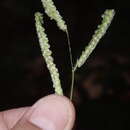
<point>102,86</point>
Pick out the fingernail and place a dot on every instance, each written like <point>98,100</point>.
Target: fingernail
<point>50,113</point>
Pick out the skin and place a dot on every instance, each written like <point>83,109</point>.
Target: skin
<point>52,112</point>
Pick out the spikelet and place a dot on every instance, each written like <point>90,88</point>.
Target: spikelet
<point>99,33</point>
<point>53,13</point>
<point>46,52</point>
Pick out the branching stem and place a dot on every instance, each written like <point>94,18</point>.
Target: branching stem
<point>72,66</point>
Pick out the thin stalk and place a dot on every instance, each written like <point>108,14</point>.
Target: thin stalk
<point>72,66</point>
<point>70,51</point>
<point>72,84</point>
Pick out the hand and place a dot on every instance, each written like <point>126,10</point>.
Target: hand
<point>49,113</point>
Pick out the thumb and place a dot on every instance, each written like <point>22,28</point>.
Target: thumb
<point>50,113</point>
